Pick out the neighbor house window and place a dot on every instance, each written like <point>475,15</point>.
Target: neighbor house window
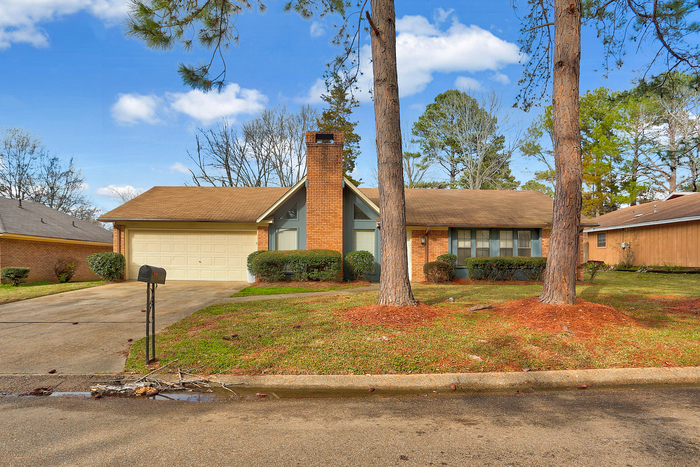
<point>505,242</point>
<point>483,243</point>
<point>464,246</point>
<point>524,243</point>
<point>364,240</point>
<point>601,240</point>
<point>286,239</point>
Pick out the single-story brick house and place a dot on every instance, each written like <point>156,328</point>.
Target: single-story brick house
<point>35,236</point>
<point>206,233</point>
<point>662,232</point>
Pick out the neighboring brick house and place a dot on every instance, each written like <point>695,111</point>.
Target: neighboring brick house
<point>662,232</point>
<point>35,236</point>
<point>206,233</point>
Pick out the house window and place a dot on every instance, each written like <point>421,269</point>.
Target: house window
<point>291,213</point>
<point>360,215</point>
<point>364,240</point>
<point>286,239</point>
<point>601,240</point>
<point>483,243</point>
<point>464,246</point>
<point>524,243</point>
<point>505,242</point>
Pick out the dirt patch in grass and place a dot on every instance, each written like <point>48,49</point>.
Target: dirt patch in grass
<point>582,319</point>
<point>399,317</point>
<point>691,307</point>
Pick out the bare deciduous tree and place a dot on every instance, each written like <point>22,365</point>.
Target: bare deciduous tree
<point>270,150</point>
<point>28,172</point>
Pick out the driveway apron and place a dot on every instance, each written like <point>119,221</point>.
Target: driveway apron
<point>39,335</point>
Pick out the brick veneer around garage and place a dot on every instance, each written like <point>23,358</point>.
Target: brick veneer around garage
<point>263,239</point>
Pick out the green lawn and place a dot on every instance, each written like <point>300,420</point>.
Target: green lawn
<point>311,336</point>
<point>284,289</point>
<point>8,293</point>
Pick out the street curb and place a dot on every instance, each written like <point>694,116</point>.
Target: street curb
<point>476,382</point>
<point>463,382</point>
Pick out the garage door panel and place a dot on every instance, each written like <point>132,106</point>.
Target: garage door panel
<point>190,255</point>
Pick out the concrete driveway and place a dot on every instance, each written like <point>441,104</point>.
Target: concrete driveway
<point>38,335</point>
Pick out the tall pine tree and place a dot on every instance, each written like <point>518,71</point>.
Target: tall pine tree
<point>337,118</point>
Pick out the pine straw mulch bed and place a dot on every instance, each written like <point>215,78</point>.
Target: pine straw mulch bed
<point>581,320</point>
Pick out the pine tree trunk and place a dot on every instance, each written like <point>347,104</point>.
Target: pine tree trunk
<point>560,275</point>
<point>394,288</point>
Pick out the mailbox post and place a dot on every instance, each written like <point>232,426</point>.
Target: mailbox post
<point>152,276</point>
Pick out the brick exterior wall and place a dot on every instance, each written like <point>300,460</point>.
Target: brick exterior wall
<point>546,234</point>
<point>438,244</point>
<point>40,258</point>
<point>324,194</point>
<point>263,238</point>
<point>118,239</point>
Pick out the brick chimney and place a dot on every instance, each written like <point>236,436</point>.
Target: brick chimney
<point>324,192</point>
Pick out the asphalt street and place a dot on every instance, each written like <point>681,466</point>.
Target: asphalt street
<point>604,427</point>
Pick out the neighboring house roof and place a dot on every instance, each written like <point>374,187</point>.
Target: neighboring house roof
<point>678,209</point>
<point>459,208</point>
<point>37,220</point>
<point>476,208</point>
<point>194,203</point>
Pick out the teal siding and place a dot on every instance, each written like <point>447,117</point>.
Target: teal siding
<point>350,199</point>
<point>299,223</point>
<point>536,244</point>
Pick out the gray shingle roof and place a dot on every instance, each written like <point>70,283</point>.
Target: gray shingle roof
<point>38,220</point>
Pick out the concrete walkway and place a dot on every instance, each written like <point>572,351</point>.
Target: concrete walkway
<point>41,334</point>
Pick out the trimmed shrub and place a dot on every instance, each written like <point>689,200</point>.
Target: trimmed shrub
<point>451,260</point>
<point>108,265</point>
<point>324,265</point>
<point>505,268</point>
<point>14,275</point>
<point>437,271</point>
<point>593,267</point>
<point>65,269</point>
<point>251,257</point>
<point>360,263</point>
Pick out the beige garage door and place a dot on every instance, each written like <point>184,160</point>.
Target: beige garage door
<point>192,255</point>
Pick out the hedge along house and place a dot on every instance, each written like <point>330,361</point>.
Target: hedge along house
<point>35,236</point>
<point>206,233</point>
<point>663,232</point>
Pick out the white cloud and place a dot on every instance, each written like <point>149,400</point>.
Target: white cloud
<point>120,192</point>
<point>179,167</point>
<point>314,95</point>
<point>132,108</point>
<point>20,19</point>
<point>317,29</point>
<point>468,84</point>
<point>501,78</point>
<point>441,15</point>
<point>210,106</point>
<point>423,49</point>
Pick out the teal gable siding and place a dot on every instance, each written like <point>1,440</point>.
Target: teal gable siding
<point>350,199</point>
<point>299,223</point>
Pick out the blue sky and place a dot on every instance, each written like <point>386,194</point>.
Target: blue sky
<point>121,112</point>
